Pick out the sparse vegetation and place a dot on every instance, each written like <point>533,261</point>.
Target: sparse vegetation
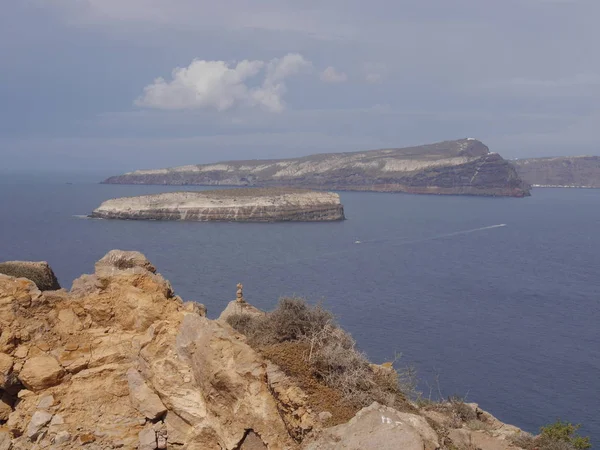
<point>306,342</point>
<point>556,436</point>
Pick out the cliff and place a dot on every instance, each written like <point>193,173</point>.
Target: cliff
<point>564,171</point>
<point>464,167</point>
<point>120,361</point>
<point>236,205</point>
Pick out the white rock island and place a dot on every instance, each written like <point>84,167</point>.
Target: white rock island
<point>229,205</point>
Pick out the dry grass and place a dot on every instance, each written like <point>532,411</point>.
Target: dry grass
<point>307,344</point>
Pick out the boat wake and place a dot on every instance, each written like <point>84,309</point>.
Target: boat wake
<point>395,241</point>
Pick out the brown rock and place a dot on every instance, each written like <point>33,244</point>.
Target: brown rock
<point>86,438</point>
<point>5,440</point>
<point>41,372</point>
<point>143,398</point>
<point>6,365</point>
<point>38,272</point>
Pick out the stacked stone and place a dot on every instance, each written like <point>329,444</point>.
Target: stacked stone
<point>240,293</point>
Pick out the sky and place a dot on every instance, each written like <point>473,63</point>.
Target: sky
<point>117,85</point>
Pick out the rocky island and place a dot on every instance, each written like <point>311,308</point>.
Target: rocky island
<point>120,361</point>
<point>562,171</point>
<point>461,167</point>
<point>228,205</point>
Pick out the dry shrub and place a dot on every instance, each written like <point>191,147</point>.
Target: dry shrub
<point>329,352</point>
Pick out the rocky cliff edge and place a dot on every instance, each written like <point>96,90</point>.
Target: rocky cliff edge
<point>120,361</point>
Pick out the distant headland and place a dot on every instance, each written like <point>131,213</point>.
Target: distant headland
<point>460,167</point>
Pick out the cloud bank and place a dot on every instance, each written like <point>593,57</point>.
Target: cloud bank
<point>221,86</point>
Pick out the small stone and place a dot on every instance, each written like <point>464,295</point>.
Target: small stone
<point>46,402</point>
<point>324,416</point>
<point>57,420</point>
<point>71,346</point>
<point>6,365</point>
<point>38,421</point>
<point>62,438</point>
<point>86,438</point>
<point>23,393</point>
<point>21,352</point>
<point>43,346</point>
<point>147,439</point>
<point>41,372</point>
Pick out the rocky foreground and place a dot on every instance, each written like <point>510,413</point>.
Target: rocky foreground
<point>120,361</point>
<point>231,205</point>
<point>563,171</point>
<point>462,167</point>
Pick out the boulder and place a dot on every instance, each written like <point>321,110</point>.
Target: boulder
<point>122,260</point>
<point>41,372</point>
<point>39,272</point>
<point>234,307</point>
<point>378,427</point>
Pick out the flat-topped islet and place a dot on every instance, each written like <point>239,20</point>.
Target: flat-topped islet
<point>228,205</point>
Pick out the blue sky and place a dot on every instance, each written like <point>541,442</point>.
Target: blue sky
<point>126,84</point>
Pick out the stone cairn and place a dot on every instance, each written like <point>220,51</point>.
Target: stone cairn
<point>240,294</point>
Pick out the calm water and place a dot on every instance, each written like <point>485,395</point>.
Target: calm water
<point>507,316</point>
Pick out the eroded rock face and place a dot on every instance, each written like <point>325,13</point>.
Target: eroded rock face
<point>562,171</point>
<point>464,166</point>
<point>39,272</point>
<point>122,362</point>
<point>236,205</point>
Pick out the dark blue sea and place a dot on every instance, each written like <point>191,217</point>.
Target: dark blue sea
<point>496,298</point>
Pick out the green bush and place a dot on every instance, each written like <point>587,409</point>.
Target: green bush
<point>562,433</point>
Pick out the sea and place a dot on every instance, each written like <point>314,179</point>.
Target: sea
<point>495,300</point>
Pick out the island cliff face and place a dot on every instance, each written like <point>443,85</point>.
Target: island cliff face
<point>564,171</point>
<point>120,361</point>
<point>231,205</point>
<point>463,167</point>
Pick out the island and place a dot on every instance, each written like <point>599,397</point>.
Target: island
<point>228,205</point>
<point>561,171</point>
<point>460,167</point>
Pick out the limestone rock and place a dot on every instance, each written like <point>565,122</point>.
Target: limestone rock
<point>143,398</point>
<point>41,372</point>
<point>62,437</point>
<point>39,272</point>
<point>378,427</point>
<point>38,421</point>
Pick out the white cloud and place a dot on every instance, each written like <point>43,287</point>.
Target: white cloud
<point>221,86</point>
<point>330,75</point>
